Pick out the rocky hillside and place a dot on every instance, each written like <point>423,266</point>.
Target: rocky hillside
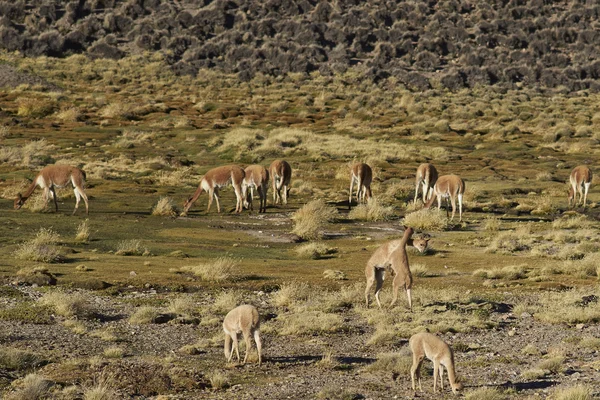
<point>448,43</point>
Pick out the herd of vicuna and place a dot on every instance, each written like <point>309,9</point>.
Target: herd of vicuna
<point>391,257</point>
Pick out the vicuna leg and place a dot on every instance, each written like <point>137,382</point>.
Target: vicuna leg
<point>453,202</point>
<point>441,370</point>
<point>587,188</point>
<point>247,336</point>
<point>239,200</point>
<point>351,186</point>
<point>460,204</point>
<point>417,191</point>
<point>415,371</point>
<point>398,280</point>
<point>211,195</point>
<point>227,348</point>
<point>216,196</point>
<point>436,367</point>
<point>54,197</point>
<point>425,191</point>
<point>285,194</point>
<point>258,345</point>
<point>379,277</point>
<point>234,338</point>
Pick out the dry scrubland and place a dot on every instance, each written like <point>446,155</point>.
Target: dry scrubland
<point>129,301</point>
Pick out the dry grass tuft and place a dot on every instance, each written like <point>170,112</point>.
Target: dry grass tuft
<point>71,114</point>
<point>218,380</point>
<point>426,219</point>
<point>396,363</point>
<point>132,247</point>
<point>310,220</point>
<point>510,272</point>
<point>41,248</point>
<point>144,315</point>
<point>486,393</point>
<point>32,387</point>
<point>335,275</point>
<point>225,302</point>
<point>182,305</point>
<point>68,305</point>
<point>578,392</point>
<point>113,352</point>
<point>103,389</point>
<point>313,250</point>
<point>19,360</point>
<point>573,222</point>
<point>35,107</point>
<point>83,231</point>
<point>491,224</point>
<point>372,211</point>
<point>291,293</point>
<point>218,270</point>
<point>165,207</point>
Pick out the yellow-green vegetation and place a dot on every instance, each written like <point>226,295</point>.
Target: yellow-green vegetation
<point>145,136</point>
<point>218,270</point>
<point>311,219</point>
<point>577,392</point>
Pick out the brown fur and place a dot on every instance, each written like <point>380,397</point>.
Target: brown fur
<point>362,174</point>
<point>392,256</point>
<point>427,176</point>
<point>281,176</point>
<point>53,176</point>
<point>212,181</point>
<point>244,319</point>
<point>581,180</point>
<point>257,177</point>
<point>449,186</point>
<point>425,344</point>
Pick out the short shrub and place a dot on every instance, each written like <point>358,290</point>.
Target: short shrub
<point>310,220</point>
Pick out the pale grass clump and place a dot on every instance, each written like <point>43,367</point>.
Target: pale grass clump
<point>531,350</point>
<point>578,221</point>
<point>427,220</point>
<point>113,352</point>
<point>83,231</point>
<point>310,322</point>
<point>132,137</point>
<point>226,301</point>
<point>420,270</point>
<point>510,272</point>
<point>75,326</point>
<point>218,270</point>
<point>176,177</point>
<point>578,392</point>
<point>373,210</point>
<point>71,114</point>
<point>107,335</point>
<point>313,250</point>
<point>18,360</point>
<point>182,305</point>
<point>491,224</point>
<point>68,305</point>
<point>37,153</point>
<point>334,274</point>
<point>117,110</point>
<point>218,380</point>
<point>290,294</point>
<point>588,266</point>
<point>567,307</point>
<point>35,107</point>
<point>590,342</point>
<point>144,315</point>
<point>41,248</point>
<point>310,220</point>
<point>543,176</point>
<point>103,388</point>
<point>32,387</point>
<point>131,247</point>
<point>508,242</point>
<point>396,363</point>
<point>165,207</point>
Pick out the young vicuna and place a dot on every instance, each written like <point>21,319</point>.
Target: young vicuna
<point>53,176</point>
<point>427,345</point>
<point>362,174</point>
<point>257,177</point>
<point>392,256</point>
<point>281,175</point>
<point>581,180</point>
<point>244,319</point>
<point>427,176</point>
<point>215,179</point>
<point>448,186</point>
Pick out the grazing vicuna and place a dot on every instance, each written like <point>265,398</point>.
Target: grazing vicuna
<point>215,179</point>
<point>244,319</point>
<point>362,174</point>
<point>448,186</point>
<point>59,176</point>
<point>392,256</point>
<point>281,175</point>
<point>425,344</point>
<point>427,176</point>
<point>257,177</point>
<point>581,180</point>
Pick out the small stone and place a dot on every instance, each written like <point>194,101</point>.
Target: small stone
<point>133,273</point>
<point>526,315</point>
<point>580,326</point>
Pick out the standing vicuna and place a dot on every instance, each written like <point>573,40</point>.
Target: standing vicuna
<point>362,174</point>
<point>281,175</point>
<point>448,186</point>
<point>581,180</point>
<point>392,256</point>
<point>427,176</point>
<point>425,344</point>
<point>244,319</point>
<point>215,179</point>
<point>257,177</point>
<point>53,176</point>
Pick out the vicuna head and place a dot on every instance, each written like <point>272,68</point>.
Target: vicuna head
<point>421,242</point>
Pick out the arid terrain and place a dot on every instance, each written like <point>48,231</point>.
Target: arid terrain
<point>128,301</point>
